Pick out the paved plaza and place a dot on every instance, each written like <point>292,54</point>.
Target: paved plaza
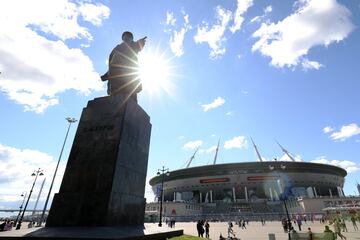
<point>255,231</point>
<point>151,231</point>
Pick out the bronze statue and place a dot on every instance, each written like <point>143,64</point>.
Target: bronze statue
<point>123,74</point>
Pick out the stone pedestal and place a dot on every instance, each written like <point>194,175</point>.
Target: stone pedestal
<point>104,180</point>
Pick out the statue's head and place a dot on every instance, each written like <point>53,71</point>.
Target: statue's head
<point>127,36</point>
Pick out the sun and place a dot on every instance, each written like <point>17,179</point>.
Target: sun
<point>155,72</point>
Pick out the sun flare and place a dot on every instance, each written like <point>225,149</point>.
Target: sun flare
<point>155,74</point>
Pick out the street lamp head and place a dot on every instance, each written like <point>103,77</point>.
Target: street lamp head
<point>167,173</point>
<point>41,174</point>
<point>70,119</point>
<point>282,166</point>
<point>158,173</point>
<point>271,167</point>
<point>22,195</point>
<point>33,174</point>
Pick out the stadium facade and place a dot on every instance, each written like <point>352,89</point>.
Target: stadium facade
<point>250,188</point>
<point>251,182</point>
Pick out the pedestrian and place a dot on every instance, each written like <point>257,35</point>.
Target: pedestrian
<point>243,225</point>
<point>2,226</point>
<point>8,225</point>
<point>310,234</point>
<point>198,228</point>
<point>337,229</point>
<point>343,225</point>
<point>207,228</point>
<point>353,220</point>
<point>299,223</point>
<point>328,234</point>
<point>284,224</point>
<point>230,230</point>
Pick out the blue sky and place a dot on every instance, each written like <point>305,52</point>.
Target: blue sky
<point>270,70</point>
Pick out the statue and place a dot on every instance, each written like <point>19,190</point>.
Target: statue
<point>123,74</point>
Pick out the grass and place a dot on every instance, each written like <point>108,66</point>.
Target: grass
<point>186,237</point>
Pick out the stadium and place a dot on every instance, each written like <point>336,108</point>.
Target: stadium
<point>251,182</point>
<point>250,188</point>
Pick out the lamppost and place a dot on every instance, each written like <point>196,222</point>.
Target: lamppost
<point>23,194</point>
<point>70,121</point>
<point>36,173</point>
<point>282,197</point>
<point>162,172</point>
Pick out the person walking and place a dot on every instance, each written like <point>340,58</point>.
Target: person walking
<point>230,230</point>
<point>299,223</point>
<point>337,229</point>
<point>243,225</point>
<point>353,221</point>
<point>343,225</point>
<point>207,229</point>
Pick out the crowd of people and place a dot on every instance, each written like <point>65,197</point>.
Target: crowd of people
<point>7,225</point>
<point>338,223</point>
<point>202,227</point>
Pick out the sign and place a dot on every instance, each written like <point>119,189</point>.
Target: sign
<point>158,190</point>
<point>214,180</point>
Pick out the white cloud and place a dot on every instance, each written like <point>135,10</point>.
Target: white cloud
<point>242,7</point>
<point>214,36</point>
<point>256,19</point>
<point>214,104</point>
<point>229,113</point>
<point>176,41</point>
<point>181,137</point>
<point>236,142</point>
<point>287,158</point>
<point>308,65</point>
<point>170,19</point>
<point>94,13</point>
<point>149,194</point>
<point>349,166</point>
<point>287,42</point>
<point>211,149</point>
<point>16,167</point>
<point>327,129</point>
<point>266,11</point>
<point>35,68</point>
<point>346,132</point>
<point>191,145</point>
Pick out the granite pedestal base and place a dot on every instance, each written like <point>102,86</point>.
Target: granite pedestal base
<point>104,180</point>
